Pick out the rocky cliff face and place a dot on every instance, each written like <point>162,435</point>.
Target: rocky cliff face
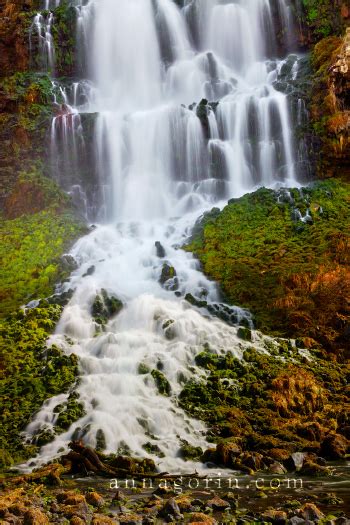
<point>330,105</point>
<point>14,20</point>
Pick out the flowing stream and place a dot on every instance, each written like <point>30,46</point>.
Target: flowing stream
<point>184,116</point>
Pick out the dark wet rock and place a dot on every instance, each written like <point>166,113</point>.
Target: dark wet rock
<point>224,312</point>
<point>170,511</point>
<point>89,271</point>
<point>244,333</point>
<point>277,468</point>
<point>100,440</point>
<point>217,503</point>
<point>334,446</point>
<point>160,251</point>
<point>151,448</point>
<point>105,306</point>
<point>313,468</point>
<point>44,436</point>
<point>342,521</point>
<point>295,461</point>
<point>331,499</point>
<point>197,503</point>
<point>296,520</point>
<point>161,491</point>
<point>68,263</point>
<point>253,460</point>
<point>195,302</point>
<point>62,299</point>
<point>168,278</point>
<point>232,498</point>
<point>169,329</point>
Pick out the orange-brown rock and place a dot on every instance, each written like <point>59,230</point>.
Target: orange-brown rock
<point>35,517</point>
<point>227,453</point>
<point>77,521</point>
<point>95,499</point>
<point>199,518</point>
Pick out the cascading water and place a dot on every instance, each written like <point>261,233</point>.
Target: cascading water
<point>163,154</point>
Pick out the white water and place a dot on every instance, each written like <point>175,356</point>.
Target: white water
<point>158,169</point>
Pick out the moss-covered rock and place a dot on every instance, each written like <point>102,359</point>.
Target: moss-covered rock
<point>161,382</point>
<point>68,412</point>
<point>168,278</point>
<point>105,306</point>
<point>189,452</point>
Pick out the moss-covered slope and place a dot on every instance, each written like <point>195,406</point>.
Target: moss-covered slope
<point>292,274</point>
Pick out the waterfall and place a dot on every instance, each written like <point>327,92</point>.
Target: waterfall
<point>185,115</point>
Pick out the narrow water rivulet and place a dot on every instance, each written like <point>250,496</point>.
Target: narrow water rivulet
<point>185,115</point>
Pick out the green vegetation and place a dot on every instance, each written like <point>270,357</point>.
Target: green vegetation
<point>68,412</point>
<point>266,403</point>
<point>28,96</point>
<point>292,275</point>
<point>104,307</point>
<point>31,372</point>
<point>64,36</point>
<point>322,17</point>
<point>161,382</point>
<point>39,227</point>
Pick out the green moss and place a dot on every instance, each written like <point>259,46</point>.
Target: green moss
<point>256,247</point>
<point>104,307</point>
<point>30,252</point>
<point>322,17</point>
<point>64,37</point>
<point>31,245</point>
<point>68,412</point>
<point>245,399</point>
<point>29,95</point>
<point>31,372</point>
<point>161,382</point>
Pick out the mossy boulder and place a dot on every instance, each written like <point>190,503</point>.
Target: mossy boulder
<point>161,382</point>
<point>105,306</point>
<point>190,452</point>
<point>68,412</point>
<point>168,277</point>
